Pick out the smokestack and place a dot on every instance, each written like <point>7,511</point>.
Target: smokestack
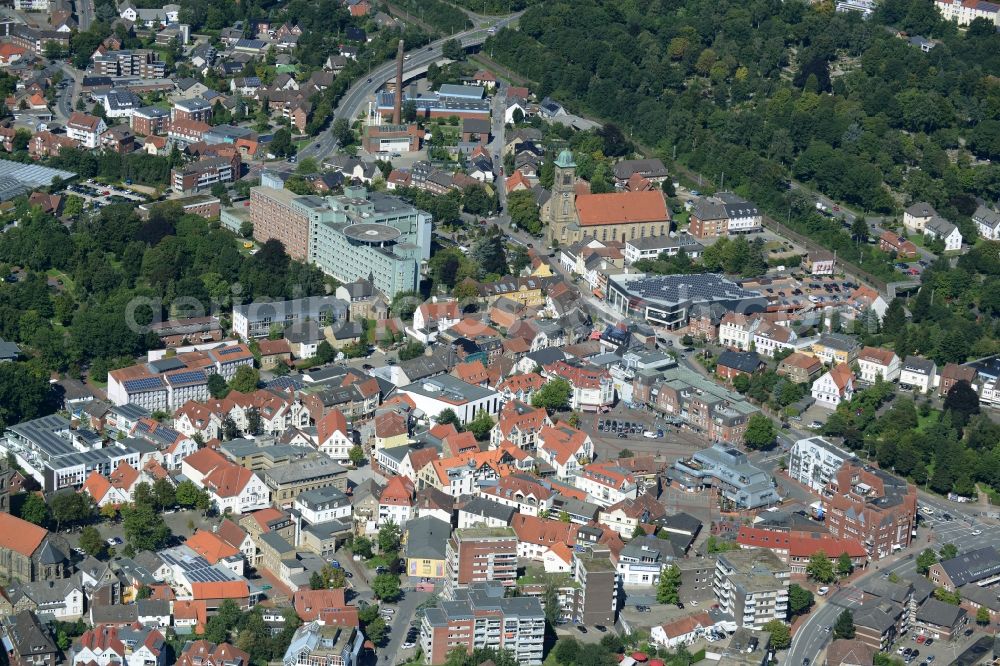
<point>397,108</point>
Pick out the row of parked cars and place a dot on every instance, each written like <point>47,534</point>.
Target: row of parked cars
<point>626,428</point>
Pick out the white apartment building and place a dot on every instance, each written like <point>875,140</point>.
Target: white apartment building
<point>814,461</point>
<point>965,12</point>
<point>876,363</point>
<point>85,130</point>
<point>752,586</point>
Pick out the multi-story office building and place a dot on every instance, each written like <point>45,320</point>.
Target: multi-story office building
<point>872,506</point>
<point>814,461</point>
<point>254,320</point>
<point>59,457</point>
<point>718,413</point>
<point>202,174</point>
<point>371,234</point>
<point>142,63</point>
<point>479,554</point>
<point>483,617</point>
<point>596,598</point>
<point>752,586</point>
<point>729,470</point>
<point>360,234</point>
<point>149,120</point>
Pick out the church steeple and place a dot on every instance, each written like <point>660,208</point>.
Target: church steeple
<point>562,211</point>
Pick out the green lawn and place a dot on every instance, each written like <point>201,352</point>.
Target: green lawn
<point>67,280</point>
<point>923,422</point>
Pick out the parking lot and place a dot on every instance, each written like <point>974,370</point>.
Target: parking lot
<point>677,441</point>
<point>798,291</point>
<point>99,196</point>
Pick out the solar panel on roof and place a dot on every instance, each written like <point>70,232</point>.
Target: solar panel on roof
<point>187,377</point>
<point>228,351</point>
<point>144,384</point>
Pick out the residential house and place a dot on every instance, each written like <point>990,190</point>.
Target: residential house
<point>565,449</point>
<point>875,363</point>
<point>834,386</point>
<point>918,374</point>
<point>800,368</point>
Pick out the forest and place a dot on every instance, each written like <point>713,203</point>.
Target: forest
<point>112,267</point>
<point>767,91</point>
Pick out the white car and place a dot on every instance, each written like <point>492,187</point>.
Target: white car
<point>649,434</point>
<point>387,609</point>
<point>407,645</point>
<point>823,590</point>
<point>976,532</point>
<point>926,509</point>
<point>815,425</point>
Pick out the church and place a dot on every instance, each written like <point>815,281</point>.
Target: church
<point>27,551</point>
<point>615,216</point>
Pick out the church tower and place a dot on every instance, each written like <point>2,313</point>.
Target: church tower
<point>562,208</point>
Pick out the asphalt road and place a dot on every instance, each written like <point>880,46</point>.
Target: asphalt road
<point>352,103</point>
<point>85,13</point>
<point>810,639</point>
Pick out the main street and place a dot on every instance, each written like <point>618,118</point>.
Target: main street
<point>364,89</point>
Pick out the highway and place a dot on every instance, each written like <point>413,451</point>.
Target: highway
<point>353,102</point>
<point>810,638</point>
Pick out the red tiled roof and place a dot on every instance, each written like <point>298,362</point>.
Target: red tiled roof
<point>562,440</point>
<point>621,208</point>
<point>211,546</point>
<point>20,535</point>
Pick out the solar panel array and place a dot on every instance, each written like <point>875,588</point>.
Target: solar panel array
<point>228,351</point>
<point>143,384</point>
<point>189,377</point>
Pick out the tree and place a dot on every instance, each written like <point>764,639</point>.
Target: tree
<point>91,541</point>
<point>245,380</point>
<point>859,230</point>
<point>144,527</point>
<point>523,211</point>
<point>362,546</point>
<point>820,568</point>
<point>449,416</point>
<point>567,651</point>
<point>356,455</point>
<point>800,600</point>
<point>164,494</point>
<point>186,494</point>
<point>411,351</point>
<point>452,49</point>
<point>246,229</point>
<point>389,537</point>
<point>668,589</point>
<point>962,401</point>
<point>844,626</point>
<point>983,616</point>
<point>925,560</point>
<point>760,432</point>
<point>34,509</point>
<point>949,551</point>
<point>409,111</point>
<point>342,132</point>
<point>281,145</point>
<point>553,396</point>
<point>316,581</point>
<point>386,586</point>
<point>217,386</point>
<point>481,425</point>
<point>844,565</point>
<point>324,353</point>
<point>550,604</point>
<point>69,507</point>
<point>376,630</point>
<point>781,636</point>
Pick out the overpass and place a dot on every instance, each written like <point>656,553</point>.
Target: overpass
<point>418,60</point>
